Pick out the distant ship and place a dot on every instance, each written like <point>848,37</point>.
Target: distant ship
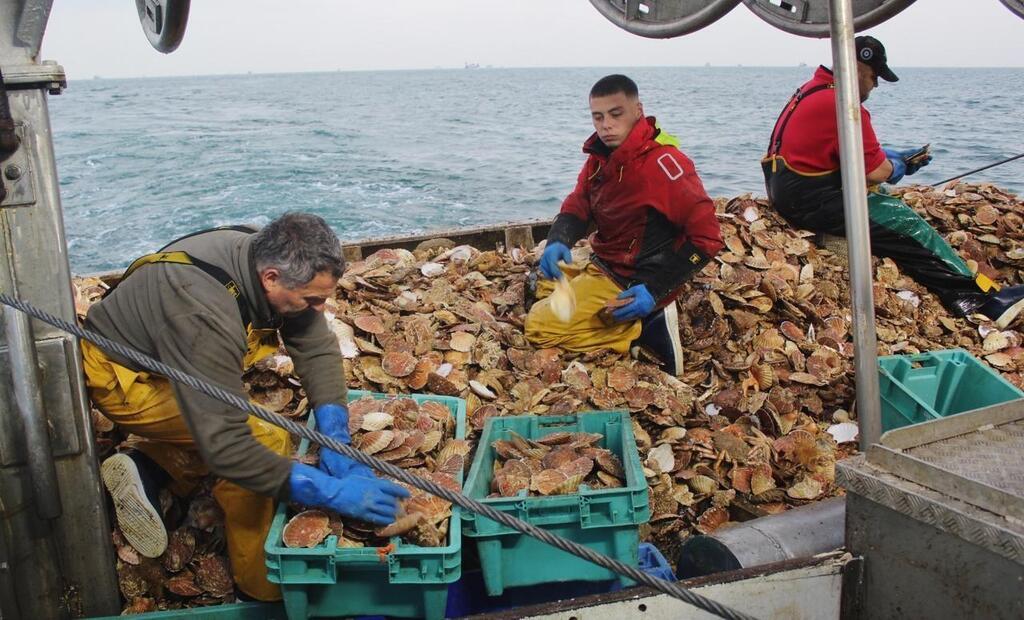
<point>472,65</point>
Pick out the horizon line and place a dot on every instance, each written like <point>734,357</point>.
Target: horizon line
<point>503,67</point>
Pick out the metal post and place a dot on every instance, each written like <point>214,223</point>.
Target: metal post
<point>855,205</point>
<point>28,401</point>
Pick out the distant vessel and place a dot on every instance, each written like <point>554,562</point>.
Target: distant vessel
<point>472,65</point>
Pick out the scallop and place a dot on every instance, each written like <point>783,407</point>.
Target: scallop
<point>563,300</point>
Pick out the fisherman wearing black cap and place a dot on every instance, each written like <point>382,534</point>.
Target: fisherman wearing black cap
<point>804,184</point>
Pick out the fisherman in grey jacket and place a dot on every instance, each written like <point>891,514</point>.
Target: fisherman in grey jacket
<point>212,304</point>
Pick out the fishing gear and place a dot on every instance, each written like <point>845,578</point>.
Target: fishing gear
<point>960,176</point>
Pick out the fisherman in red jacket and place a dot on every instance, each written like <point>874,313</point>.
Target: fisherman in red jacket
<point>655,229</point>
<point>804,184</point>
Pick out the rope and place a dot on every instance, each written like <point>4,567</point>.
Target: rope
<point>670,588</point>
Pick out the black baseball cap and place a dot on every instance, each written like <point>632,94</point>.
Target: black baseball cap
<point>871,52</point>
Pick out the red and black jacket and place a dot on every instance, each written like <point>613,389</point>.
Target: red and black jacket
<point>655,224</point>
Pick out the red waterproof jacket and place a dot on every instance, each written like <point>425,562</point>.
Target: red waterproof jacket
<point>655,223</point>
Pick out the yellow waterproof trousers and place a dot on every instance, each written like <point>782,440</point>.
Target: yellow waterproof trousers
<point>144,405</point>
<point>585,330</point>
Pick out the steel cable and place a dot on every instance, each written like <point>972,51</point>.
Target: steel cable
<point>670,588</point>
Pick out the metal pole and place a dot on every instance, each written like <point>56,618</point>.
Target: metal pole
<point>855,203</point>
<point>28,400</point>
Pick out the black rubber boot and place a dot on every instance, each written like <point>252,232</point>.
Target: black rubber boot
<point>660,337</point>
<point>134,481</point>
<point>530,290</point>
<point>1004,306</point>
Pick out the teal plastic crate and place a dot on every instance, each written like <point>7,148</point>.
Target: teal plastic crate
<point>605,520</point>
<point>929,386</point>
<point>327,581</point>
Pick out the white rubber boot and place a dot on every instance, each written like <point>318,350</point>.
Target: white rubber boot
<point>138,519</point>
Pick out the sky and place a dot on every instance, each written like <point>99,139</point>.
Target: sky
<point>103,37</point>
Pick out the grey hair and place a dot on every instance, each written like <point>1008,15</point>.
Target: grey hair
<point>299,245</point>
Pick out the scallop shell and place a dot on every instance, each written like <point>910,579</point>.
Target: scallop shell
<point>661,458</point>
<point>621,379</point>
<point>510,485</point>
<point>703,484</point>
<point>431,439</point>
<point>563,300</point>
<point>440,385</point>
<point>376,420</point>
<point>611,464</point>
<point>571,485</point>
<point>791,331</point>
<point>712,519</point>
<point>453,447</point>
<point>761,480</point>
<point>609,480</point>
<point>184,585</point>
<point>462,342</point>
<point>578,467</point>
<point>558,457</point>
<point>396,454</point>
<point>275,400</point>
<point>375,441</point>
<point>764,374</point>
<point>808,488</point>
<point>769,339</point>
<point>399,363</point>
<point>432,270</point>
<point>454,465</point>
<point>401,525</point>
<point>306,529</point>
<point>548,481</point>
<point>369,324</point>
<point>482,390</point>
<point>555,439</point>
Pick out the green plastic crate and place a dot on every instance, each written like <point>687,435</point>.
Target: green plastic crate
<point>327,581</point>
<point>929,386</point>
<point>605,520</point>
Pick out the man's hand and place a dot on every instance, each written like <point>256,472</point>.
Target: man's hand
<point>641,306</point>
<point>903,157</point>
<point>554,252</point>
<point>367,499</point>
<point>332,420</point>
<point>899,167</point>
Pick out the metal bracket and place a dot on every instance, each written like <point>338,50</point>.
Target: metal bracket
<point>47,74</point>
<point>17,172</point>
<point>809,18</point>
<point>662,19</point>
<point>58,402</point>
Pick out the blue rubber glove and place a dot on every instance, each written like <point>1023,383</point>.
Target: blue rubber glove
<point>332,420</point>
<point>641,306</point>
<point>899,168</point>
<point>903,156</point>
<point>553,253</point>
<point>367,499</point>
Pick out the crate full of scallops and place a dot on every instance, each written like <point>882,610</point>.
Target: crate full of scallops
<point>328,565</point>
<point>577,476</point>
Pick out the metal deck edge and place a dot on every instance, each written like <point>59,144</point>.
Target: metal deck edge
<point>916,435</point>
<point>980,527</point>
